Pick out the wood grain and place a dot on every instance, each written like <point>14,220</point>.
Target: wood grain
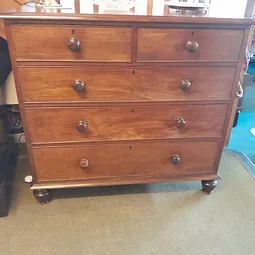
<point>239,77</point>
<point>219,18</point>
<point>124,159</point>
<point>155,44</point>
<point>122,180</point>
<point>132,67</point>
<point>124,122</point>
<point>20,98</point>
<point>51,42</point>
<point>126,84</point>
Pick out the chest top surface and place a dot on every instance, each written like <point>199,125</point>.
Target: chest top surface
<point>221,11</point>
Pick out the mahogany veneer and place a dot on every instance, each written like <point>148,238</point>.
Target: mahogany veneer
<point>110,99</point>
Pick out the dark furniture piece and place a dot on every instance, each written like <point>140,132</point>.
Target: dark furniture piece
<point>7,151</point>
<point>5,63</point>
<point>123,99</point>
<point>8,155</point>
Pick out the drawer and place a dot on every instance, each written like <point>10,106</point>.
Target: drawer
<point>51,43</point>
<point>159,44</point>
<point>124,122</point>
<point>111,160</point>
<point>125,84</point>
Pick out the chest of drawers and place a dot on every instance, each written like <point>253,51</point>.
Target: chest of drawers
<point>110,100</point>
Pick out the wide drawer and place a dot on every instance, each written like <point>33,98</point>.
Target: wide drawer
<point>164,44</point>
<point>51,43</point>
<point>106,160</point>
<point>124,122</point>
<point>125,84</point>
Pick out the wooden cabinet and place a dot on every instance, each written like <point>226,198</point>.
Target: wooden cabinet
<point>123,99</point>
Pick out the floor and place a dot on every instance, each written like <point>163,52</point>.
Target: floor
<point>157,219</point>
<point>241,138</point>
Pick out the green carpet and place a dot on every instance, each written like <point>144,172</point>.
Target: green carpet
<point>156,219</point>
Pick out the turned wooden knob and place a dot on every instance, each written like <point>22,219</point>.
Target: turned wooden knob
<point>79,85</point>
<point>74,44</point>
<point>181,123</point>
<point>175,159</point>
<point>192,46</point>
<point>84,163</point>
<point>185,85</point>
<point>82,126</point>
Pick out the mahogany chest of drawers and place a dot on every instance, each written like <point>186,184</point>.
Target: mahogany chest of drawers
<point>111,99</point>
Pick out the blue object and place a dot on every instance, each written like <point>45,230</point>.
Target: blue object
<point>242,139</point>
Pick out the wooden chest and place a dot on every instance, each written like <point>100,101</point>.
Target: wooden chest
<point>110,99</point>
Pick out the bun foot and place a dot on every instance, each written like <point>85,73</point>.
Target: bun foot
<point>43,196</point>
<point>209,186</point>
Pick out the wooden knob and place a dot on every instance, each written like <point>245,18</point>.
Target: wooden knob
<point>74,44</point>
<point>191,46</point>
<point>175,159</point>
<point>180,123</point>
<point>185,85</point>
<point>84,163</point>
<point>82,126</point>
<point>79,85</point>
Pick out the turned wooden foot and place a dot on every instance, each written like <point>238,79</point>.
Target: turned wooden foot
<point>209,186</point>
<point>43,196</point>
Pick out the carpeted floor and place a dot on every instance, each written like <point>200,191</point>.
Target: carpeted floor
<point>158,219</point>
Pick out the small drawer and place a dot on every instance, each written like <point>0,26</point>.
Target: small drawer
<point>70,124</point>
<point>109,160</point>
<point>125,84</point>
<point>73,43</point>
<point>163,44</point>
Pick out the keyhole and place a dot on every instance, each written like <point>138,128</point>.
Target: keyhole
<point>130,147</point>
<point>132,110</point>
<point>73,31</point>
<point>133,72</point>
<point>192,33</point>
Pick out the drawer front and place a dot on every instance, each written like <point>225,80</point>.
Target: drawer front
<point>129,84</point>
<point>103,160</point>
<point>156,44</point>
<point>125,122</point>
<point>51,43</point>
